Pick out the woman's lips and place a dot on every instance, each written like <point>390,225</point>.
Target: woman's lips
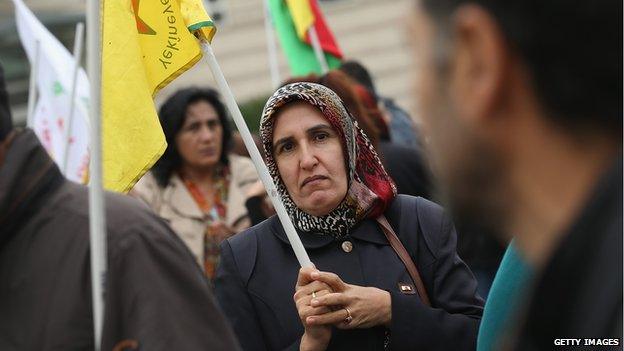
<point>312,180</point>
<point>207,152</point>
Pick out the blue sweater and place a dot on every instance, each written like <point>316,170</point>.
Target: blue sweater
<point>507,292</point>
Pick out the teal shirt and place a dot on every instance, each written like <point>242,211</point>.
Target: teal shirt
<point>506,293</point>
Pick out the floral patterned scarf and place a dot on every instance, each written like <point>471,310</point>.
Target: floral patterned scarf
<point>370,188</point>
<point>214,209</point>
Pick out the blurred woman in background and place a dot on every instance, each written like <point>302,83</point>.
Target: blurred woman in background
<point>197,185</point>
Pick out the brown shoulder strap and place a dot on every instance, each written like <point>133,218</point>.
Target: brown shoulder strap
<point>405,257</point>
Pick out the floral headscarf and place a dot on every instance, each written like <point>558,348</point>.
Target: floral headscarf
<point>370,187</point>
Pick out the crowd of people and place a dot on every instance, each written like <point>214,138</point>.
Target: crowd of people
<point>520,138</point>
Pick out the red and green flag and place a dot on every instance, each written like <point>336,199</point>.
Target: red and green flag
<point>292,20</point>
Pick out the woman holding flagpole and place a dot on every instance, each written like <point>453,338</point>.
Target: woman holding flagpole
<point>387,275</point>
<point>197,185</point>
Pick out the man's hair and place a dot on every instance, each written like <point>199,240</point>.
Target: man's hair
<point>360,74</point>
<point>6,123</point>
<point>572,49</point>
<point>172,115</point>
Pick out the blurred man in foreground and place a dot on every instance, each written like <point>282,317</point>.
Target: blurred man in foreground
<point>522,101</point>
<point>156,296</point>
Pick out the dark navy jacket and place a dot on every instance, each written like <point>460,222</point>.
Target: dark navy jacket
<point>256,280</point>
<point>579,292</point>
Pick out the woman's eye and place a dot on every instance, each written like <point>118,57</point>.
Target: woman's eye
<point>213,124</point>
<point>193,127</point>
<point>321,136</point>
<point>285,147</point>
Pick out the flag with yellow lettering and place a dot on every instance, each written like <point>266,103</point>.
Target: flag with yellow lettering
<point>145,45</point>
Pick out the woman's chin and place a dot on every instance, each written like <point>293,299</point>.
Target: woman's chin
<point>205,164</point>
<point>320,204</point>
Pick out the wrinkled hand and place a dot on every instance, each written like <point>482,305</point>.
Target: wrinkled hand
<point>315,337</point>
<point>369,306</point>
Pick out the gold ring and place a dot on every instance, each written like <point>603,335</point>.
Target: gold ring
<point>314,294</point>
<point>348,318</point>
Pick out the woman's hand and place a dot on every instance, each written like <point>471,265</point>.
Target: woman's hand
<point>367,306</point>
<point>315,337</point>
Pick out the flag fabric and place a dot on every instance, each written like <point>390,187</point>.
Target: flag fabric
<point>302,16</point>
<point>292,19</point>
<point>54,80</point>
<point>145,45</point>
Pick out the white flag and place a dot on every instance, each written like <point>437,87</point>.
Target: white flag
<point>54,80</point>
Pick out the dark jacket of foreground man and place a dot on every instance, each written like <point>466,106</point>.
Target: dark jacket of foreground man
<point>156,295</point>
<point>579,294</point>
<point>256,282</point>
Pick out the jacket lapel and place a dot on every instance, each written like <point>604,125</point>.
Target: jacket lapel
<point>180,200</point>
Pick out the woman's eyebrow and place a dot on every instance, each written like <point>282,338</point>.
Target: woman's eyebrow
<point>319,127</point>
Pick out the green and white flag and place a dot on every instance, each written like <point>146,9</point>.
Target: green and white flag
<point>54,80</point>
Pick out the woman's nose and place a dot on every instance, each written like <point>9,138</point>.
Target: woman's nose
<point>308,158</point>
<point>206,134</point>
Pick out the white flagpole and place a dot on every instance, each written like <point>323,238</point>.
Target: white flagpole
<point>97,218</point>
<point>32,85</point>
<point>271,46</point>
<point>318,50</point>
<point>263,172</point>
<point>78,39</point>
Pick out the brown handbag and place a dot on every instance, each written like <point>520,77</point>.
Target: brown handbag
<point>400,250</point>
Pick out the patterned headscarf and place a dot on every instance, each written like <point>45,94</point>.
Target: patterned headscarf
<point>370,187</point>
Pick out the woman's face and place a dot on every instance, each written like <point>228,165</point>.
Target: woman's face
<point>310,159</point>
<point>200,139</point>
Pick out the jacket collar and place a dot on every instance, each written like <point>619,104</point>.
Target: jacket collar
<point>180,196</point>
<point>27,176</point>
<point>367,230</point>
<point>183,204</point>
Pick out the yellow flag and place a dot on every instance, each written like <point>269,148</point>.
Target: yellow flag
<point>302,16</point>
<point>145,45</point>
<point>197,19</point>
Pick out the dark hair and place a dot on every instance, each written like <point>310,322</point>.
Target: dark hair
<point>368,115</point>
<point>6,123</point>
<point>360,74</point>
<point>172,115</point>
<point>573,51</point>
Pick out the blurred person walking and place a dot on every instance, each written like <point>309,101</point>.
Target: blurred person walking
<point>198,186</point>
<point>156,297</point>
<point>522,103</point>
<point>338,196</point>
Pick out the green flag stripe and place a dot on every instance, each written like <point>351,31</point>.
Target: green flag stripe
<point>199,25</point>
<point>300,56</point>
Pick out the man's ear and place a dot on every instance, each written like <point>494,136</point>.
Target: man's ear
<point>478,73</point>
